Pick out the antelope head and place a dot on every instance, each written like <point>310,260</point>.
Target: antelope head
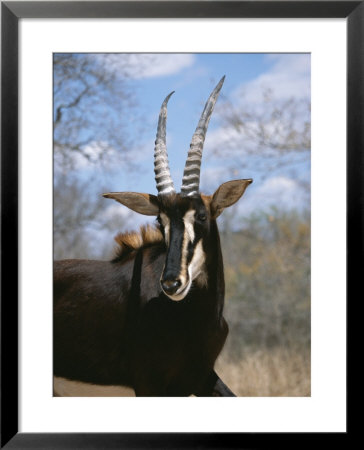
<point>185,218</point>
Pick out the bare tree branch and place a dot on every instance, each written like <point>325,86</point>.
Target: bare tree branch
<point>272,129</point>
<point>93,103</point>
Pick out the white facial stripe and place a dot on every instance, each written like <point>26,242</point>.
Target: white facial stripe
<point>188,236</point>
<point>166,232</point>
<point>166,225</point>
<point>165,219</point>
<point>189,221</point>
<point>195,269</point>
<point>183,273</point>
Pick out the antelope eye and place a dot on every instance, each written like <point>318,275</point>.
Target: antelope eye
<point>202,217</point>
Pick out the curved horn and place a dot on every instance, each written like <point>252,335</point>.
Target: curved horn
<point>161,168</point>
<point>191,174</point>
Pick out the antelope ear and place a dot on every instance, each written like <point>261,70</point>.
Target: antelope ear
<point>227,194</point>
<point>146,204</point>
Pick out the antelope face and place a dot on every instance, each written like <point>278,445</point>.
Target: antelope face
<point>185,224</point>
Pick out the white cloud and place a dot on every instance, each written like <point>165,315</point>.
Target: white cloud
<point>223,136</point>
<point>288,77</point>
<point>212,177</point>
<point>279,191</point>
<point>126,219</point>
<point>281,187</point>
<point>92,153</point>
<point>150,65</point>
<point>162,64</point>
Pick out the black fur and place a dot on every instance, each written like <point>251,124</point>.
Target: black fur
<point>114,325</point>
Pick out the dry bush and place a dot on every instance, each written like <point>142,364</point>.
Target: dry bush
<point>267,271</point>
<point>274,372</point>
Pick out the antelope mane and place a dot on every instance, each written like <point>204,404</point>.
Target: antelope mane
<point>131,241</point>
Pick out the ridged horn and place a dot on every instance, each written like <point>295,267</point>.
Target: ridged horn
<point>191,174</point>
<point>161,167</point>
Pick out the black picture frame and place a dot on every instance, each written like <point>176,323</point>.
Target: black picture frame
<point>11,12</point>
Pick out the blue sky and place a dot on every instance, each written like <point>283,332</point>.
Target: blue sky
<point>192,77</point>
<point>192,85</point>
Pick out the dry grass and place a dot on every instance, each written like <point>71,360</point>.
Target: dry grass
<point>275,372</point>
<point>67,388</point>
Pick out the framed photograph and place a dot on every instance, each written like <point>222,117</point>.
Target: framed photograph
<point>83,85</point>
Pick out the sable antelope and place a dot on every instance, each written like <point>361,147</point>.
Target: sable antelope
<point>152,318</point>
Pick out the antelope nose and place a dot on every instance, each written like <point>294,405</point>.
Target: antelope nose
<point>171,286</point>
